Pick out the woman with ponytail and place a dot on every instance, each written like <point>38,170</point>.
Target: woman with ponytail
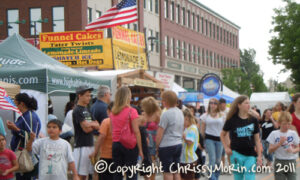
<point>294,109</point>
<point>244,138</point>
<point>26,123</point>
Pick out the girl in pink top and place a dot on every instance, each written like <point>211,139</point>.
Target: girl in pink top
<point>121,114</point>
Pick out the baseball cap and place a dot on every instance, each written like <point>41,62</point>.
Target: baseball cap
<point>83,88</point>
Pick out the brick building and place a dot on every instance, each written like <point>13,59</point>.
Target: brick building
<point>190,38</point>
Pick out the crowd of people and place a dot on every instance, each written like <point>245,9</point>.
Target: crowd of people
<point>153,135</point>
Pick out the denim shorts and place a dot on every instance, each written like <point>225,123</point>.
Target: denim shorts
<point>170,157</point>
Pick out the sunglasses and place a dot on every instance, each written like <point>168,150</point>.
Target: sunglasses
<point>213,103</point>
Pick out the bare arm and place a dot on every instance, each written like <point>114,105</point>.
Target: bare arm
<point>203,127</point>
<point>73,169</point>
<point>159,135</point>
<point>136,130</point>
<point>88,127</point>
<point>13,169</point>
<point>98,144</point>
<point>274,147</point>
<point>275,124</point>
<point>258,144</point>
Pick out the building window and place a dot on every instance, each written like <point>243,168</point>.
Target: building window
<point>206,55</point>
<point>211,59</point>
<point>198,23</point>
<point>98,14</point>
<point>150,35</point>
<point>172,11</point>
<point>215,60</point>
<point>89,14</point>
<point>210,30</point>
<point>230,39</point>
<point>206,27</point>
<point>156,6</point>
<point>171,47</point>
<point>189,52</point>
<point>58,14</point>
<point>203,57</point>
<point>214,31</point>
<point>183,16</point>
<point>145,32</point>
<point>227,37</point>
<point>166,9</point>
<point>150,5</point>
<point>222,63</point>
<point>233,40</point>
<point>35,15</point>
<point>189,18</point>
<point>217,32</point>
<point>194,54</point>
<point>199,55</point>
<point>193,21</point>
<point>178,49</point>
<point>221,34</point>
<point>178,14</point>
<point>166,45</point>
<point>184,50</point>
<point>157,40</point>
<point>135,27</point>
<point>145,4</point>
<point>12,17</point>
<point>202,25</point>
<point>224,36</point>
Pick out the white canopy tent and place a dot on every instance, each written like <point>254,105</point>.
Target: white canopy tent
<point>267,100</point>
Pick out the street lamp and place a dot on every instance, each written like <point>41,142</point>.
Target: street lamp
<point>34,27</point>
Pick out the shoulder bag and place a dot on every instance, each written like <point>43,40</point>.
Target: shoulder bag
<point>127,136</point>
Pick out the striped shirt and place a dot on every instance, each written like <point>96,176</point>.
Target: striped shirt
<point>188,153</point>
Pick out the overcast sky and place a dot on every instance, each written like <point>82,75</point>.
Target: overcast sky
<point>254,17</point>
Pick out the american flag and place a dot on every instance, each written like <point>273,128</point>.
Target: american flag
<point>123,13</point>
<point>6,102</point>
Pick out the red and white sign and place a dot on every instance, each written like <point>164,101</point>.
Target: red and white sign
<point>166,79</point>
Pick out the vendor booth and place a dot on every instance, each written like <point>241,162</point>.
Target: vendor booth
<point>38,74</point>
<point>11,89</point>
<point>140,82</point>
<point>268,100</point>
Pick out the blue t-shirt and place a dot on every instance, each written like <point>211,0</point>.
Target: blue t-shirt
<point>98,111</point>
<point>2,128</point>
<point>20,123</point>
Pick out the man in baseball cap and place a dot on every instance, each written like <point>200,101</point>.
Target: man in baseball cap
<point>82,89</point>
<point>83,127</point>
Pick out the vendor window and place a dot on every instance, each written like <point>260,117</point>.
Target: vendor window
<point>58,23</point>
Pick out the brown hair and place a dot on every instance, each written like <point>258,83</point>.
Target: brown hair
<point>294,100</point>
<point>209,110</point>
<point>234,109</point>
<point>122,99</point>
<point>150,106</point>
<point>285,117</point>
<point>264,116</point>
<point>187,113</point>
<point>170,98</point>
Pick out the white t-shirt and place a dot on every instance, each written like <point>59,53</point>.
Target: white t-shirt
<point>54,157</point>
<point>225,112</point>
<point>172,121</point>
<point>292,139</point>
<point>213,126</point>
<point>69,120</point>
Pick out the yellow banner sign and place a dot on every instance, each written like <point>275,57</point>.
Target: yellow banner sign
<point>129,57</point>
<point>128,36</point>
<point>78,48</point>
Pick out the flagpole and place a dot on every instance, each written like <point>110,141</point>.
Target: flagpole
<point>138,34</point>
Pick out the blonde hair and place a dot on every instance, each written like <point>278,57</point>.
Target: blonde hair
<point>234,108</point>
<point>285,117</point>
<point>122,99</point>
<point>187,113</point>
<point>150,106</point>
<point>170,98</point>
<point>209,110</point>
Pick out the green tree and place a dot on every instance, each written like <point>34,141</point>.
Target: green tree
<point>247,78</point>
<point>285,46</point>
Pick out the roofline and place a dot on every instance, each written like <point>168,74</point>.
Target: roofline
<point>195,2</point>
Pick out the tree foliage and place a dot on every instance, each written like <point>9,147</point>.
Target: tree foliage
<point>247,78</point>
<point>285,46</point>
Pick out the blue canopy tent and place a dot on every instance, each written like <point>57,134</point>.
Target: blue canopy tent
<point>219,96</point>
<point>188,97</point>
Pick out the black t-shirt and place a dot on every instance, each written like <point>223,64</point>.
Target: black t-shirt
<point>242,134</point>
<point>82,139</point>
<point>266,128</point>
